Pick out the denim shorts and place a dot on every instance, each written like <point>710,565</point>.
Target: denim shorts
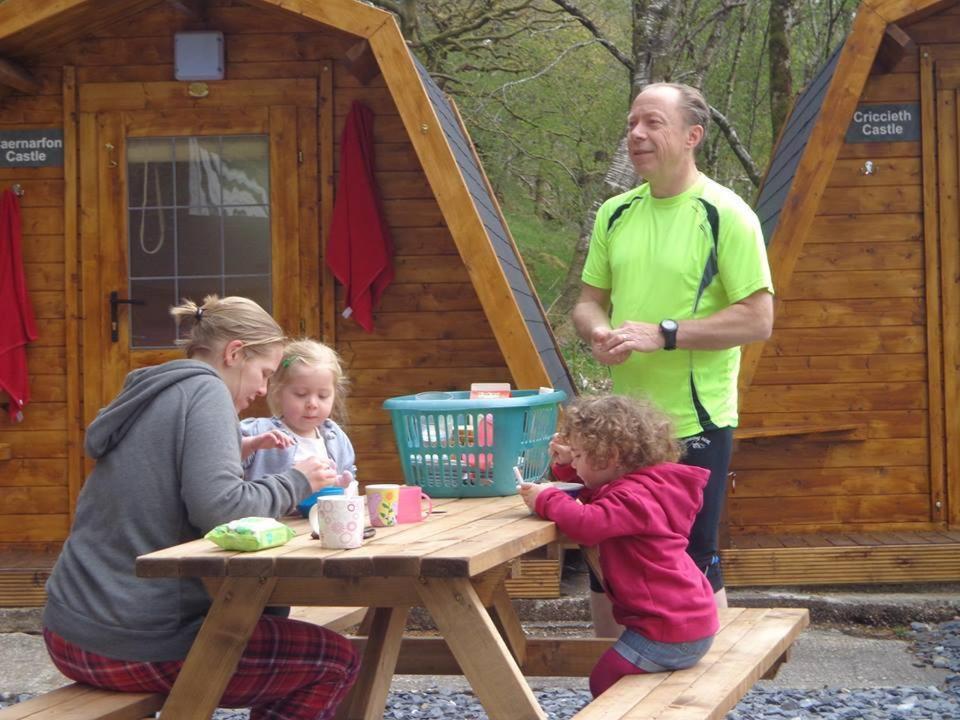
<point>652,656</point>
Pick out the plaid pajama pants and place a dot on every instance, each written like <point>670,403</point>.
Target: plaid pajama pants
<point>290,670</point>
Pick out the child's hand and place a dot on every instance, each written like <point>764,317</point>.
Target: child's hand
<point>273,440</point>
<point>320,473</point>
<point>345,478</point>
<point>529,493</point>
<point>270,440</point>
<point>560,454</point>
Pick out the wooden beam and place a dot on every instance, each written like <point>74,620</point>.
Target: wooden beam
<point>810,180</point>
<point>347,15</point>
<point>896,10</point>
<point>71,290</point>
<point>361,62</point>
<point>16,77</point>
<point>546,657</point>
<point>17,15</point>
<point>893,47</point>
<point>932,268</point>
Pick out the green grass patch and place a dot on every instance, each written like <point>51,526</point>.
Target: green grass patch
<point>546,247</point>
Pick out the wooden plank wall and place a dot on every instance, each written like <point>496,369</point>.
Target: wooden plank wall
<point>34,502</point>
<point>850,346</point>
<point>431,332</point>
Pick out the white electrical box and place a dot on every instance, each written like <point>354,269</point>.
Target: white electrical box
<point>198,55</point>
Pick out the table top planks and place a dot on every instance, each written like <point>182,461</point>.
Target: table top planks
<point>462,538</point>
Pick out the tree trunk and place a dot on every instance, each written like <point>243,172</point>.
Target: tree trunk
<point>649,38</point>
<point>778,49</point>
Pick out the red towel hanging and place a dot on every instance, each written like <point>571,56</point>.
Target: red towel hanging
<point>17,324</point>
<point>359,251</point>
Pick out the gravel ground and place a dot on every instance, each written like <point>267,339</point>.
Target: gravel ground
<point>934,645</point>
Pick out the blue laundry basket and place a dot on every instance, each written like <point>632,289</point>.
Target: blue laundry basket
<point>452,446</point>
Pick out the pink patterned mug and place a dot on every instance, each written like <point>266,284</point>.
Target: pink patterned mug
<point>410,508</point>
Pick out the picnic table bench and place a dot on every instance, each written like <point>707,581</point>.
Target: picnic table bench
<point>455,565</point>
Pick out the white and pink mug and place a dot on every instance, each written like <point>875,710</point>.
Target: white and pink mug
<point>338,520</point>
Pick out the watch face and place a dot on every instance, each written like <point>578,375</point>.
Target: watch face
<point>669,325</point>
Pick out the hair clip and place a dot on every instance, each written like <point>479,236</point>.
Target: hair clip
<point>198,314</point>
<point>288,361</point>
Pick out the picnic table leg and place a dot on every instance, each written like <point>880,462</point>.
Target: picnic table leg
<point>368,697</point>
<point>508,622</point>
<point>482,654</point>
<point>217,648</point>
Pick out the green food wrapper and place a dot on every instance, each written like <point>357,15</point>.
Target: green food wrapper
<point>250,533</point>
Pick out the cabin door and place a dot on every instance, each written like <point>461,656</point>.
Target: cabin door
<point>948,180</point>
<point>184,203</point>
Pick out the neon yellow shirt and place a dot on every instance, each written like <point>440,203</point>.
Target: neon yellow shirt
<point>682,257</point>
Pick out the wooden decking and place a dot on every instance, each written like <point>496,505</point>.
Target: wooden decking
<point>752,560</point>
<point>842,558</point>
<point>22,576</point>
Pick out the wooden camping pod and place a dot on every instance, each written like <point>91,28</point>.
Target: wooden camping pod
<point>848,469</point>
<point>101,76</point>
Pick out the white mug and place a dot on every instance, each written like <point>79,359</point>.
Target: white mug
<point>338,520</point>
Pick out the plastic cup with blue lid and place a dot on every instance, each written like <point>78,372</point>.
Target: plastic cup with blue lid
<point>303,507</point>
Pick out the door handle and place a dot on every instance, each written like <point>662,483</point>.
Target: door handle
<point>115,301</point>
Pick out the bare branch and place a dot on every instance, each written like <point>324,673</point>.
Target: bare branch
<point>582,18</point>
<point>739,149</point>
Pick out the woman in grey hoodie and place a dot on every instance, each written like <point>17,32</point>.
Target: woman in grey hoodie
<point>168,470</point>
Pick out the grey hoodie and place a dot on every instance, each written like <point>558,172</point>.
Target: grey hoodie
<point>168,470</point>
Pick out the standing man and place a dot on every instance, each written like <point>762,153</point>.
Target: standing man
<point>676,280</point>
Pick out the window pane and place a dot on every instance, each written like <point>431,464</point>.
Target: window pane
<point>246,240</point>
<point>151,243</point>
<point>255,288</point>
<point>198,242</point>
<point>197,289</point>
<point>198,171</point>
<point>246,170</point>
<point>149,172</point>
<point>151,325</point>
<point>211,233</point>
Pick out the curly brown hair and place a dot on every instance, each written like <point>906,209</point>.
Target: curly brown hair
<point>633,431</point>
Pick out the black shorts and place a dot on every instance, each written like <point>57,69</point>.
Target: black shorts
<point>710,450</point>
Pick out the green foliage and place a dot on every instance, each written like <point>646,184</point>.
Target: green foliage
<point>546,247</point>
<point>547,255</point>
<point>545,99</point>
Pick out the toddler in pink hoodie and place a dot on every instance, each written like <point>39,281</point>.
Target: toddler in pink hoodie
<point>638,505</point>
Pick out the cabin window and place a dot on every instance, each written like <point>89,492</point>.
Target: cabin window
<point>198,223</point>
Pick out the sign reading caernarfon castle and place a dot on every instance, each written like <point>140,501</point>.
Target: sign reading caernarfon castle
<point>41,147</point>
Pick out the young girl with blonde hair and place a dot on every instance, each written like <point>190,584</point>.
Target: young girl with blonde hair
<point>306,392</point>
<point>638,505</point>
<point>168,471</point>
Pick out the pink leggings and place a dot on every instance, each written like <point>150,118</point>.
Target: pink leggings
<point>609,668</point>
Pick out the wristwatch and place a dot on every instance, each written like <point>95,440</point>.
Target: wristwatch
<point>668,328</point>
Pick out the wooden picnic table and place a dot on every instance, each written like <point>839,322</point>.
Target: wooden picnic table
<point>454,564</point>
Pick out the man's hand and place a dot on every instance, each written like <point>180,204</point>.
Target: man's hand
<point>629,337</point>
<point>529,492</point>
<point>600,338</point>
<point>270,440</point>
